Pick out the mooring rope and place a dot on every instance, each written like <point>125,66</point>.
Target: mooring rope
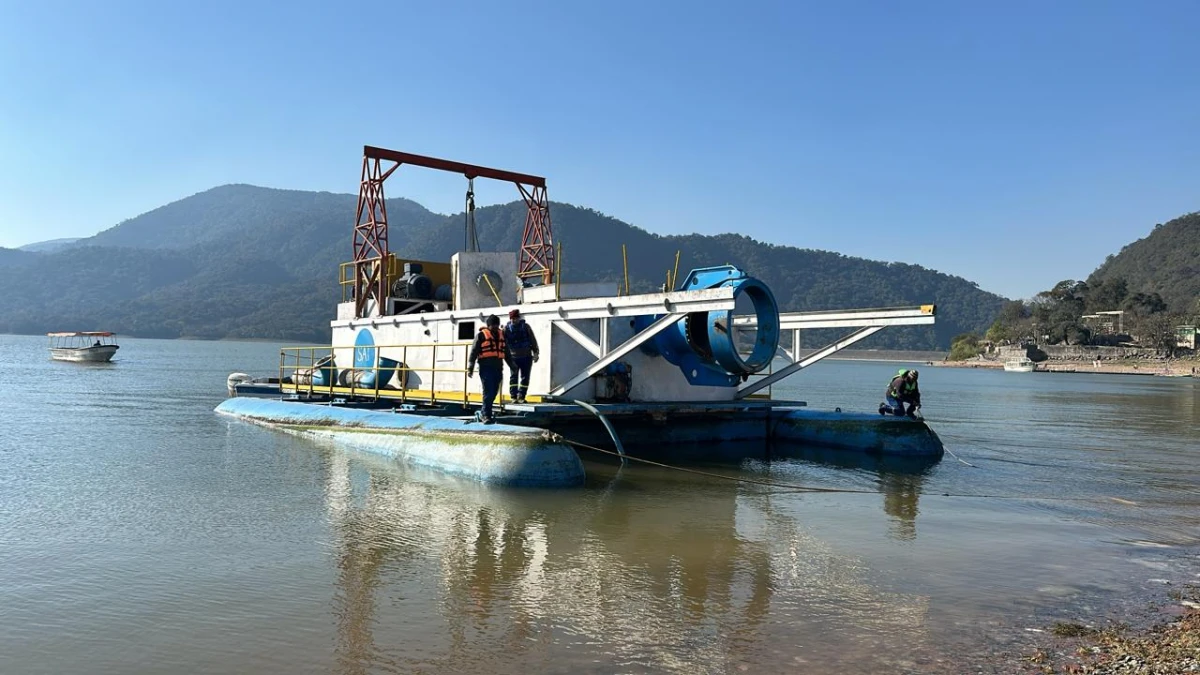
<point>710,474</point>
<point>959,458</point>
<point>808,488</point>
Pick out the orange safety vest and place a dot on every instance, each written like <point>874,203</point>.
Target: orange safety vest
<point>492,346</point>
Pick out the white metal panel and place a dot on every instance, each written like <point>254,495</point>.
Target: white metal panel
<point>705,300</point>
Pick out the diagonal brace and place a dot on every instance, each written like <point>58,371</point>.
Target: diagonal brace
<point>579,337</point>
<point>662,323</point>
<point>796,367</point>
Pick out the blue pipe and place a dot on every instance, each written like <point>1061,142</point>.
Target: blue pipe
<point>703,345</point>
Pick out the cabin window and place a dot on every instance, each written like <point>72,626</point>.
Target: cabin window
<point>466,330</point>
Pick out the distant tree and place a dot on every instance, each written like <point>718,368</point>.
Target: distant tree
<point>1075,333</point>
<point>1145,304</point>
<point>1106,295</point>
<point>1058,311</point>
<point>1157,331</point>
<point>1069,292</point>
<point>964,346</point>
<point>1012,324</point>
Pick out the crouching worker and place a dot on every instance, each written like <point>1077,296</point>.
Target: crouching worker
<point>490,352</point>
<point>523,350</point>
<point>902,391</point>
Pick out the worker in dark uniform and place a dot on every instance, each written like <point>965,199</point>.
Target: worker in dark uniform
<point>902,391</point>
<point>491,353</point>
<point>523,350</point>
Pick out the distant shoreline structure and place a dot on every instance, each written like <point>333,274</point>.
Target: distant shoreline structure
<point>884,355</point>
<point>1161,368</point>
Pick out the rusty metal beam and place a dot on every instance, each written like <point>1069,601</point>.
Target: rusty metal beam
<point>468,170</point>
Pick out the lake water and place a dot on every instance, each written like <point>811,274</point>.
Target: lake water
<point>142,533</point>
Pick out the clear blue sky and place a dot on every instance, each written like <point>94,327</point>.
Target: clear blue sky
<point>1013,143</point>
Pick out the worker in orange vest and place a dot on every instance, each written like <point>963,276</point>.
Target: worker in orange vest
<point>491,353</point>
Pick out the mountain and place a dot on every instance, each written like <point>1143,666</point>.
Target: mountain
<point>14,256</point>
<point>1167,262</point>
<point>240,261</point>
<point>48,246</point>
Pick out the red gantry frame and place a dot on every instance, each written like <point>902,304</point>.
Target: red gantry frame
<point>536,261</point>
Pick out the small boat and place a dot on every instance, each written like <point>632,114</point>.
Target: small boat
<point>1019,366</point>
<point>241,384</point>
<point>88,346</point>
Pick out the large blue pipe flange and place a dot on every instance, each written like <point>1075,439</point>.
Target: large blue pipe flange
<point>703,344</point>
<point>722,339</point>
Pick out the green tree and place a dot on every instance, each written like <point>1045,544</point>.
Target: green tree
<point>1145,304</point>
<point>1012,324</point>
<point>1157,331</point>
<point>1058,311</point>
<point>964,346</point>
<point>1106,295</point>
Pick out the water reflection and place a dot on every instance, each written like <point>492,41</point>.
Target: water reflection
<point>644,572</point>
<point>900,479</point>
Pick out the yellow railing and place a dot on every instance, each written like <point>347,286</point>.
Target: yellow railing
<point>303,370</point>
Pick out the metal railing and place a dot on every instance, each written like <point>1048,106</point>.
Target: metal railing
<point>300,369</point>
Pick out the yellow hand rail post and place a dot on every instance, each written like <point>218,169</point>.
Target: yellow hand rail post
<point>404,376</point>
<point>625,264</point>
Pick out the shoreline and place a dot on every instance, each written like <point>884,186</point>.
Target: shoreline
<point>1166,368</point>
<point>1167,642</point>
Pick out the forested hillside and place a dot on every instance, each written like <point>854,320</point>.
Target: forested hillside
<point>12,256</point>
<point>240,261</point>
<point>1167,262</point>
<point>1154,282</point>
<point>50,245</point>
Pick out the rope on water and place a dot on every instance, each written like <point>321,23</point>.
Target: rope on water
<point>807,488</point>
<point>959,458</point>
<point>710,474</point>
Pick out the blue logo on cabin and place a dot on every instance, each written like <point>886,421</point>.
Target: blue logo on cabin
<point>364,350</point>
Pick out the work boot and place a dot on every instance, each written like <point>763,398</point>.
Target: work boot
<point>883,409</point>
<point>489,420</point>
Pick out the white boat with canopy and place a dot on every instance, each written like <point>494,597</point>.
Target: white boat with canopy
<point>91,346</point>
<point>1020,366</point>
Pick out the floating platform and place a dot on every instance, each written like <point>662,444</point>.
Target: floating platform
<point>500,454</point>
<point>689,368</point>
<point>531,445</point>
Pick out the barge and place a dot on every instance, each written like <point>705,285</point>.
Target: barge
<point>691,365</point>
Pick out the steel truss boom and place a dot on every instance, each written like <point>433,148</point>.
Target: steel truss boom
<point>867,321</point>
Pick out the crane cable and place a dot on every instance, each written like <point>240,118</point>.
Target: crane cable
<point>472,237</point>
